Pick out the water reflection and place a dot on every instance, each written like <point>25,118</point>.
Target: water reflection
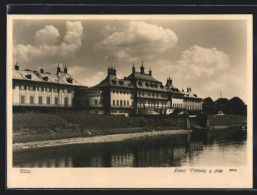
<point>215,148</point>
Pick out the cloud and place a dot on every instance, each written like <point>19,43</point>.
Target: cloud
<point>136,40</point>
<point>45,43</point>
<point>195,65</point>
<point>199,61</point>
<point>47,35</point>
<point>85,76</point>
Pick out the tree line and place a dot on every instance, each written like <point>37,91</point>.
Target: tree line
<point>234,106</point>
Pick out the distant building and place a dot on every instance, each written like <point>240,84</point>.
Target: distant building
<point>138,94</point>
<point>39,89</point>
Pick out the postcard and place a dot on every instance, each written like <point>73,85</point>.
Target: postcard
<point>129,101</point>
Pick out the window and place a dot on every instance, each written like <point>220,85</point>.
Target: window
<point>139,93</point>
<point>117,102</point>
<point>148,94</point>
<point>66,101</point>
<point>153,94</point>
<point>143,94</point>
<point>68,90</point>
<point>96,102</point>
<point>124,103</point>
<point>121,102</point>
<point>31,88</point>
<point>40,100</point>
<point>48,100</point>
<point>113,102</point>
<point>31,100</point>
<point>22,87</point>
<point>65,91</point>
<point>56,100</point>
<point>39,88</point>
<point>34,88</point>
<point>113,91</point>
<point>23,99</point>
<point>127,103</point>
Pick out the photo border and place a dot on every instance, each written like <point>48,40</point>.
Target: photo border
<point>57,9</point>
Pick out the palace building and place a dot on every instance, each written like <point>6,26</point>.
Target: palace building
<point>39,89</point>
<point>137,94</point>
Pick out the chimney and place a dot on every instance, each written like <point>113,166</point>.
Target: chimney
<point>65,70</point>
<point>41,70</point>
<point>133,68</point>
<point>17,66</point>
<point>142,68</point>
<point>169,81</point>
<point>150,72</point>
<point>58,69</point>
<point>108,71</point>
<point>114,71</point>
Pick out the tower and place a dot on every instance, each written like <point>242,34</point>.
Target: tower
<point>142,68</point>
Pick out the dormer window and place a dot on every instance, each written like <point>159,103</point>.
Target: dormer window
<point>140,83</point>
<point>147,84</point>
<point>45,78</point>
<point>28,76</point>
<point>114,81</point>
<point>121,82</point>
<point>69,80</point>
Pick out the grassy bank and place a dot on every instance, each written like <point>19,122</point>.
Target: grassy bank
<point>219,120</point>
<point>29,127</point>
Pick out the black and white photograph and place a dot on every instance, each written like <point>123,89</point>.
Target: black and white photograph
<point>135,93</point>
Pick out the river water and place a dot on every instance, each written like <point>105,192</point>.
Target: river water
<point>213,148</point>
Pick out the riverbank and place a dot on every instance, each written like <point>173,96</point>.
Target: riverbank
<point>94,139</point>
<point>31,127</point>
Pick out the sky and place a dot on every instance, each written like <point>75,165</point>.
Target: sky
<point>210,56</point>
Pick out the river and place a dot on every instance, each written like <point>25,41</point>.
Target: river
<point>213,148</point>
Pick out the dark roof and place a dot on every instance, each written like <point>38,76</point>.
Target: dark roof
<point>29,75</point>
<point>153,86</point>
<point>114,82</point>
<point>139,76</point>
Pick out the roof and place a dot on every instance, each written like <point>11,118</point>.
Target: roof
<point>140,76</point>
<point>153,86</point>
<point>115,82</point>
<point>29,75</point>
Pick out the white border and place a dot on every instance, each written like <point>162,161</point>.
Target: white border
<point>128,177</point>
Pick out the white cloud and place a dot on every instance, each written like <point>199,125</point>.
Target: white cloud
<point>204,69</point>
<point>201,61</point>
<point>47,35</point>
<point>82,74</point>
<point>45,47</point>
<point>136,40</point>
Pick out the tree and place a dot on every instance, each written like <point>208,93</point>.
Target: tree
<point>209,106</point>
<point>223,104</point>
<point>238,106</point>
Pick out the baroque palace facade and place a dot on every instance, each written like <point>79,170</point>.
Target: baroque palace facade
<point>138,94</point>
